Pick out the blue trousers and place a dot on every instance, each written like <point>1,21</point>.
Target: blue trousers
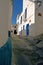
<point>6,53</point>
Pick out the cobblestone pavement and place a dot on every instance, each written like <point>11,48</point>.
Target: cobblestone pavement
<point>27,50</point>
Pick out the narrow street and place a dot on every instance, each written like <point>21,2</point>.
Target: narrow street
<point>24,52</point>
<point>18,57</point>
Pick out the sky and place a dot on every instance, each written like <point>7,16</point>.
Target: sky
<point>17,8</point>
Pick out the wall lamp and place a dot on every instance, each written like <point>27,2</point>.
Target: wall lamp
<point>38,2</point>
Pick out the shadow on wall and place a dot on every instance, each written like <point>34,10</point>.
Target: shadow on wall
<point>6,53</point>
<point>41,63</point>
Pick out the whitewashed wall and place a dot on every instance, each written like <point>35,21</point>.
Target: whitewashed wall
<point>30,5</point>
<point>37,28</point>
<point>30,15</point>
<point>4,19</point>
<point>39,19</point>
<point>25,3</point>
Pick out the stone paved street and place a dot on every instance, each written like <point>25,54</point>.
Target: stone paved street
<point>27,50</point>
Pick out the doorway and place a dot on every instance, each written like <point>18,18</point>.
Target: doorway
<point>27,29</point>
<point>15,32</point>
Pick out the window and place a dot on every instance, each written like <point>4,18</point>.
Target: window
<point>23,27</point>
<point>26,13</point>
<point>21,19</point>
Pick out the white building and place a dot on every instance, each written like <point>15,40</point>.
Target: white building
<point>5,20</point>
<point>30,21</point>
<point>13,29</point>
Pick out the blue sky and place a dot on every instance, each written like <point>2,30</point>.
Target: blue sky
<point>17,8</point>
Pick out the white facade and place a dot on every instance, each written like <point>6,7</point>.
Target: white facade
<point>5,19</point>
<point>37,28</point>
<point>34,7</point>
<point>13,28</point>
